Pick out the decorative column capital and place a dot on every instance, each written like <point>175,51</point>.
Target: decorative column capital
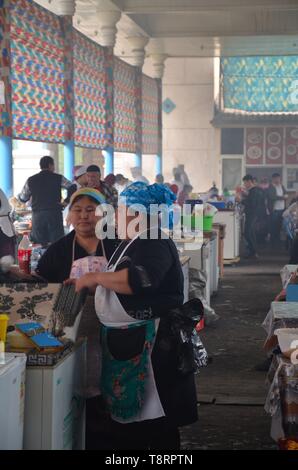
<point>66,7</point>
<point>107,27</point>
<point>138,44</point>
<point>158,63</point>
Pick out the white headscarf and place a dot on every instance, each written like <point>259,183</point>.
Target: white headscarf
<point>5,223</point>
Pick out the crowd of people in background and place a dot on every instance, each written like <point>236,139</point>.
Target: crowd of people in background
<point>264,204</point>
<point>265,211</point>
<point>43,193</point>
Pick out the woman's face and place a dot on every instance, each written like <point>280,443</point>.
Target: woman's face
<point>83,218</point>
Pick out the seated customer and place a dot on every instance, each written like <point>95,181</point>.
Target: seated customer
<point>68,257</point>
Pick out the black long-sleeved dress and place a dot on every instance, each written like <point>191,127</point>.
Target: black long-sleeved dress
<point>156,279</point>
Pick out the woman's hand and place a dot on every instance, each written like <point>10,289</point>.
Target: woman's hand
<point>115,281</point>
<point>89,281</point>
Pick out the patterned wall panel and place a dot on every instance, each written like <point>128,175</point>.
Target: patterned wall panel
<point>150,115</point>
<point>109,68</point>
<point>254,146</point>
<point>5,100</point>
<point>37,61</point>
<point>291,145</point>
<point>125,107</point>
<point>68,30</point>
<point>89,93</point>
<point>260,84</point>
<point>272,146</point>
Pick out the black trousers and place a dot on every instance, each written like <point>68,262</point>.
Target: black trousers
<point>47,226</point>
<point>102,433</point>
<point>276,223</point>
<point>250,235</point>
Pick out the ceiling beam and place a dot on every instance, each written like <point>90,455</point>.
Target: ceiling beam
<point>182,6</point>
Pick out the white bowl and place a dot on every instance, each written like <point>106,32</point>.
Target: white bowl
<point>286,337</point>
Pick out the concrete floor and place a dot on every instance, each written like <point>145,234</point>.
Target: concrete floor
<point>231,393</point>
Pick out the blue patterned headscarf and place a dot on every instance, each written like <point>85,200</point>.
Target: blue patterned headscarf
<point>141,193</point>
<point>142,196</point>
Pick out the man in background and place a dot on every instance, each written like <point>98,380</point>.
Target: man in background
<point>159,179</point>
<point>136,173</point>
<point>80,177</point>
<point>121,182</point>
<point>44,190</point>
<point>251,202</point>
<point>94,181</point>
<point>277,197</point>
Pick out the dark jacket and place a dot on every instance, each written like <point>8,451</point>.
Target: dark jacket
<point>254,203</point>
<point>273,197</point>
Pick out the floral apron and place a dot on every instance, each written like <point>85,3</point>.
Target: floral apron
<point>127,379</point>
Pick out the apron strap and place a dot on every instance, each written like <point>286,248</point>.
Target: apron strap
<point>121,253</point>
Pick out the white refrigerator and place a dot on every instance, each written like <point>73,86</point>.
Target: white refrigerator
<point>55,404</point>
<point>12,399</point>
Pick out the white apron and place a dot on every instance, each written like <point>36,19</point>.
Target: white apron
<point>6,224</point>
<point>111,314</point>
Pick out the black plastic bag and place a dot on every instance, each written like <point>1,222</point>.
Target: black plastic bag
<point>191,354</point>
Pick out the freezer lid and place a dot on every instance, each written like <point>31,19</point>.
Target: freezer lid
<point>9,361</point>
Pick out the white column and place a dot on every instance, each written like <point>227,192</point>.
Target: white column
<point>107,21</point>
<point>138,44</point>
<point>158,63</point>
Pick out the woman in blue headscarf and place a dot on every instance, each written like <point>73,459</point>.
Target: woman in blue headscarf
<point>146,397</point>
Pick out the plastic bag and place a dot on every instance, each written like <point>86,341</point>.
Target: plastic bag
<point>191,354</point>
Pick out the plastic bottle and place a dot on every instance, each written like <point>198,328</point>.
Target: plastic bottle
<point>24,254</point>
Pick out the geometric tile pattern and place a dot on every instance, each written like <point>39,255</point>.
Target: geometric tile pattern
<point>150,115</point>
<point>89,93</point>
<point>37,73</point>
<point>5,105</point>
<point>125,107</point>
<point>260,84</point>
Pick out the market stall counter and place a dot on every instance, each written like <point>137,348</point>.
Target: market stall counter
<point>203,257</point>
<point>55,377</point>
<point>55,401</point>
<point>282,402</point>
<point>280,315</point>
<point>213,269</point>
<point>221,234</point>
<point>199,259</point>
<point>231,218</point>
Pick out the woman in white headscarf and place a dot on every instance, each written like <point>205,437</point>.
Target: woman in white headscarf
<point>7,232</point>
